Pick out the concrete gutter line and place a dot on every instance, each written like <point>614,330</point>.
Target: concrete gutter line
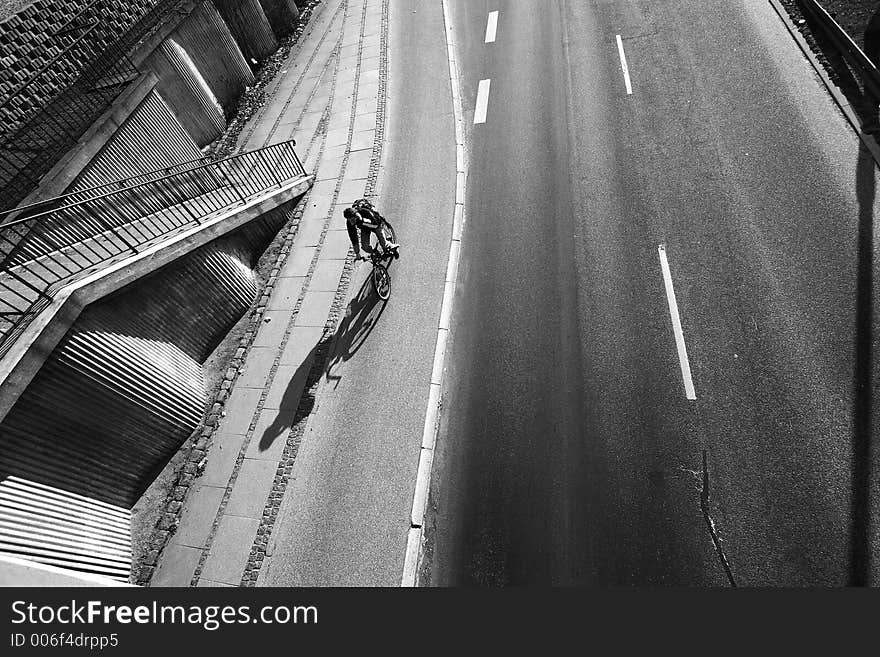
<point>409,577</point>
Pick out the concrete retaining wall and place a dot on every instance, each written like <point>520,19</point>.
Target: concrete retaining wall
<point>282,15</point>
<point>249,25</point>
<point>151,138</point>
<point>207,39</point>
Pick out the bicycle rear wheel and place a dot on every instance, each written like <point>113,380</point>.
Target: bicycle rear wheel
<point>381,281</point>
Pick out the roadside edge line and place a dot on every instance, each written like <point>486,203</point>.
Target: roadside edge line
<point>415,535</point>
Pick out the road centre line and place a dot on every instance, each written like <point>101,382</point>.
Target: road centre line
<point>676,326</point>
<point>623,65</point>
<point>482,101</point>
<point>491,27</point>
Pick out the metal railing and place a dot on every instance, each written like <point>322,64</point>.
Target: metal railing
<point>843,42</point>
<point>45,245</point>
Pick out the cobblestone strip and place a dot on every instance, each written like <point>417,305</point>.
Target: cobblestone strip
<point>328,340</point>
<point>287,62</point>
<point>288,329</point>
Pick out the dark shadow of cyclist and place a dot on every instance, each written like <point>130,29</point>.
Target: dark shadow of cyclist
<point>361,318</point>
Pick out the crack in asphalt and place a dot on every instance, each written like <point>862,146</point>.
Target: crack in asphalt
<point>710,522</point>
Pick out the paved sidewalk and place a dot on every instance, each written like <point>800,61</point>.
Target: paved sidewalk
<point>327,97</point>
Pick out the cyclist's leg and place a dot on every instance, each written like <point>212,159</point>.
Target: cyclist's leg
<point>365,239</point>
<point>381,235</point>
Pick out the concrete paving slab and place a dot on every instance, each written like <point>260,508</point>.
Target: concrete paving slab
<point>307,125</point>
<point>311,161</point>
<point>288,385</point>
<point>370,61</point>
<point>248,498</point>
<point>352,189</point>
<point>301,342</point>
<point>177,566</point>
<point>210,583</point>
<point>321,191</point>
<point>315,308</point>
<point>199,511</point>
<point>280,136</point>
<point>272,328</point>
<point>358,165</point>
<point>366,105</point>
<point>346,74</point>
<point>270,434</point>
<point>230,550</point>
<point>326,276</point>
<point>371,42</point>
<point>339,121</point>
<point>364,122</point>
<point>329,169</point>
<point>319,101</point>
<point>350,61</point>
<point>257,366</point>
<point>335,151</point>
<point>240,409</point>
<point>368,90</point>
<point>336,244</point>
<point>221,459</point>
<point>286,132</point>
<point>363,139</point>
<point>286,292</point>
<point>309,231</point>
<point>368,76</point>
<point>298,261</point>
<point>319,206</point>
<point>337,137</point>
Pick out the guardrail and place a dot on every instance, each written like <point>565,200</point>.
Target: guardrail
<point>47,244</point>
<point>857,59</point>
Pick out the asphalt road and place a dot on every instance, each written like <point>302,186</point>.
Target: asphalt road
<point>570,452</point>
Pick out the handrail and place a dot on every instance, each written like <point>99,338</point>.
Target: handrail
<point>42,251</point>
<point>844,43</point>
<point>121,184</point>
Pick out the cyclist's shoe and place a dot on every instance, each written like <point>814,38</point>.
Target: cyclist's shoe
<point>394,249</point>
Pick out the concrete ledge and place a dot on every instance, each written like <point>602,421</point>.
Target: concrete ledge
<point>41,336</point>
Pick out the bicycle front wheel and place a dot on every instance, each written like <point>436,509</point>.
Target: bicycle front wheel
<point>381,281</point>
<point>390,234</point>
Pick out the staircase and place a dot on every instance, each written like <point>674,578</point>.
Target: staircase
<point>66,503</point>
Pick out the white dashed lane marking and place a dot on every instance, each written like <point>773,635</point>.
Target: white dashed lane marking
<point>623,65</point>
<point>491,27</point>
<point>482,102</point>
<point>676,326</point>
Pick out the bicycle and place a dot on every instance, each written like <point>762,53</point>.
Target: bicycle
<point>379,277</point>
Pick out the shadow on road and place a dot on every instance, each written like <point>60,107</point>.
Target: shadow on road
<point>361,318</point>
<point>860,529</point>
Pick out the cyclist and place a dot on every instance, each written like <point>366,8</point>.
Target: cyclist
<point>362,215</point>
